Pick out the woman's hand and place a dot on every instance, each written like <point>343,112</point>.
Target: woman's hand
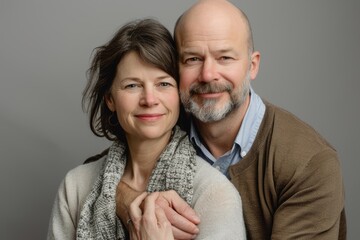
<point>182,217</point>
<point>151,222</point>
<point>124,197</point>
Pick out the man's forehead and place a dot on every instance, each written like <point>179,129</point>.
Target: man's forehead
<point>217,36</point>
<point>211,45</point>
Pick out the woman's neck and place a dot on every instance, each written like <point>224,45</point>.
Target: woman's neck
<point>142,158</point>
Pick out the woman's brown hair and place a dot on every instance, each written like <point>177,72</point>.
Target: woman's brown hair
<point>154,44</point>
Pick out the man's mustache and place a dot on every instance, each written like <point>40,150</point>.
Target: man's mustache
<point>209,88</point>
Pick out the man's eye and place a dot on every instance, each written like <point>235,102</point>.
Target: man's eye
<point>192,60</point>
<point>225,58</point>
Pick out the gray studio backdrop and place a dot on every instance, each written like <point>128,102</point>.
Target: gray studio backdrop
<point>310,66</point>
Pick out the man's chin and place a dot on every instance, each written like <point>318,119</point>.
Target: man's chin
<point>211,114</point>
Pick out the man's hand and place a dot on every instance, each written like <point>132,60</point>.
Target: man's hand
<point>181,216</point>
<point>148,219</point>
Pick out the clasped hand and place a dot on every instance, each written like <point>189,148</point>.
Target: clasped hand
<point>159,215</point>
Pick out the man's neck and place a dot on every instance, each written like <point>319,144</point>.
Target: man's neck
<point>219,137</point>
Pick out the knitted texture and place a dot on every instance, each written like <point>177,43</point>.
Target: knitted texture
<point>174,170</point>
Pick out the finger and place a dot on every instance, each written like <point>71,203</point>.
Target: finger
<point>181,235</point>
<point>149,216</point>
<point>163,222</point>
<point>181,206</point>
<point>124,196</point>
<point>135,210</point>
<point>161,218</point>
<point>179,222</point>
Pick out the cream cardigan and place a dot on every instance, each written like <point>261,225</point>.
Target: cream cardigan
<point>215,199</point>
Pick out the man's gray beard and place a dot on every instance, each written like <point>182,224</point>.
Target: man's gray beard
<point>208,111</point>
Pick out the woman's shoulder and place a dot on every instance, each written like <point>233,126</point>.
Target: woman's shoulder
<point>69,200</point>
<point>211,174</point>
<point>209,179</point>
<point>79,180</point>
<point>85,171</point>
<point>217,203</point>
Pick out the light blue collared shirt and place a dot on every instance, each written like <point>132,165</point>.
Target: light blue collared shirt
<point>243,140</point>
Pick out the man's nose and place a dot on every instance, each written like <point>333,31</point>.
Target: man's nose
<point>208,71</point>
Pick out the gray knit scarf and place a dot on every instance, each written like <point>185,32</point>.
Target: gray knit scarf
<point>174,170</point>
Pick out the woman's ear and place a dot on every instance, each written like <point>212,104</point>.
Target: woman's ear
<point>109,102</point>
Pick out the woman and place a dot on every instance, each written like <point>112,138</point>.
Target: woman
<point>134,102</point>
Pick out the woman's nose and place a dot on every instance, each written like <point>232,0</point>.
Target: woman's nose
<point>149,98</point>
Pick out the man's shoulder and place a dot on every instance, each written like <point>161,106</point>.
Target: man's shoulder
<point>281,115</point>
<point>288,128</point>
<point>292,143</point>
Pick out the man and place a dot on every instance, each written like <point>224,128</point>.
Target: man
<point>288,176</point>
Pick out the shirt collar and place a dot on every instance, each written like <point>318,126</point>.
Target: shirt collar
<point>251,123</point>
<point>248,129</point>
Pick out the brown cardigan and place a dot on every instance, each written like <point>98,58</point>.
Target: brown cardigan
<point>290,182</point>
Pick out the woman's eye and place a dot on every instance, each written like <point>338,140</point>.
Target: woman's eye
<point>132,85</point>
<point>165,84</point>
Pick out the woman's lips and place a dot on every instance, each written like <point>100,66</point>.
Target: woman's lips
<point>149,117</point>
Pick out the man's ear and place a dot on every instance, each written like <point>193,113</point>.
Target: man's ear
<point>254,64</point>
<point>109,102</point>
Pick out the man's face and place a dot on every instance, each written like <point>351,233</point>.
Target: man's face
<point>214,68</point>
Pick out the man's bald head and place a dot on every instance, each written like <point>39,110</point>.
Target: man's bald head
<point>208,12</point>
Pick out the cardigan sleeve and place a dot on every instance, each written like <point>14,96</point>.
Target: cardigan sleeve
<point>62,223</point>
<point>69,200</point>
<point>218,204</point>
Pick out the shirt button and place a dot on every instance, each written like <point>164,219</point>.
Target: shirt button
<point>243,154</point>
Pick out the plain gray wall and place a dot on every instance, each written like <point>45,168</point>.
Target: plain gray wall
<point>310,66</point>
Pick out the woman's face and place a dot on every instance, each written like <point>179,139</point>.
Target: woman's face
<point>145,99</point>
